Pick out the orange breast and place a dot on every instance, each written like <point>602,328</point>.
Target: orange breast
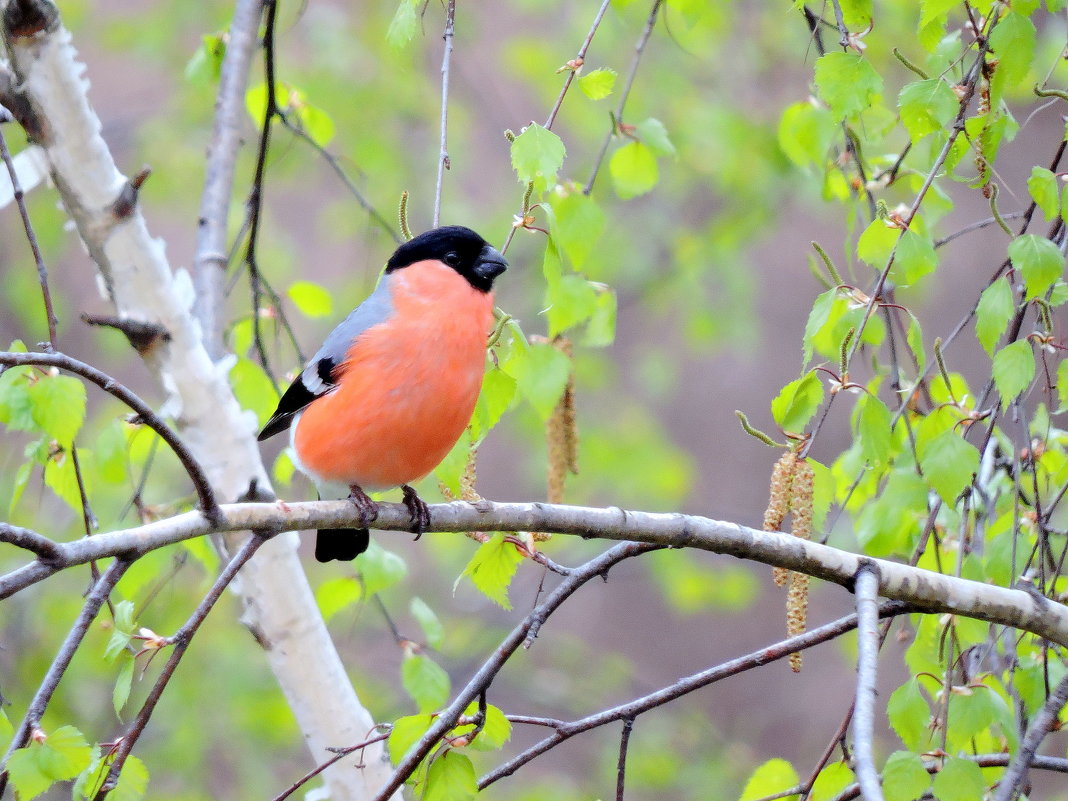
<point>407,388</point>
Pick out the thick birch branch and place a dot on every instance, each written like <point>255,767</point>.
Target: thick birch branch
<point>50,100</point>
<point>924,589</point>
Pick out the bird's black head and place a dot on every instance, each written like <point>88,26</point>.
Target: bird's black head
<point>460,248</point>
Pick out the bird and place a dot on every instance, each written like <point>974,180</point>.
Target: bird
<point>394,385</point>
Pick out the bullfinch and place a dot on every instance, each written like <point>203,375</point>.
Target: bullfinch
<point>394,385</point>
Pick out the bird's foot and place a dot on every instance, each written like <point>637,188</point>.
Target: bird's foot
<point>418,509</point>
<point>367,508</point>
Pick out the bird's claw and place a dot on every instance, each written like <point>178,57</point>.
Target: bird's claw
<point>418,509</point>
<point>367,508</point>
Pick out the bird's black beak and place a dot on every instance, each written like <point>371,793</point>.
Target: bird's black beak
<point>490,264</point>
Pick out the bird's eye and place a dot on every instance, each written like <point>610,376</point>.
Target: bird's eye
<point>452,259</point>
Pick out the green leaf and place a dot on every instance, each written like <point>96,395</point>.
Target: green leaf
<point>959,780</point>
<point>601,329</point>
<point>16,407</point>
<point>429,622</point>
<point>1045,190</point>
<point>579,224</point>
<point>406,733</point>
<point>847,82</point>
<point>62,755</point>
<point>805,133</point>
<point>914,339</point>
<point>797,402</point>
<point>27,776</point>
<point>1062,386</point>
<point>948,464</point>
<point>570,302</point>
<point>110,450</point>
<point>498,390</point>
<point>926,107</point>
<point>541,373</point>
<point>380,569</point>
<point>633,169</point>
<point>316,123</point>
<point>61,477</point>
<point>6,729</point>
<point>1039,261</point>
<point>338,593</point>
<point>817,319</point>
<point>1013,42</point>
<point>772,777</point>
<point>598,84</point>
<point>404,25</point>
<point>537,155</point>
<point>133,781</point>
<point>874,430</point>
<point>831,781</point>
<point>312,299</point>
<point>58,406</point>
<point>904,777</point>
<point>425,681</point>
<point>253,388</point>
<point>971,711</point>
<point>492,567</point>
<point>121,693</point>
<point>256,100</point>
<point>992,315</point>
<point>915,257</point>
<point>205,65</point>
<point>877,243</point>
<point>451,778</point>
<point>496,730</point>
<point>909,714</point>
<point>653,133</point>
<point>1014,369</point>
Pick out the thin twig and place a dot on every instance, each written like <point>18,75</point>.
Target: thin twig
<point>839,19</point>
<point>866,588</point>
<point>636,707</point>
<point>101,590</point>
<point>209,264</point>
<point>489,669</point>
<point>180,640</point>
<point>443,155</point>
<point>341,754</point>
<point>1010,784</point>
<point>639,50</point>
<point>580,57</point>
<point>206,495</point>
<point>1012,215</point>
<point>621,765</point>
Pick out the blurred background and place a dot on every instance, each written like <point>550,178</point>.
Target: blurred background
<point>711,274</point>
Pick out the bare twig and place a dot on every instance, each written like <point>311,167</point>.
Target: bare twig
<point>1010,784</point>
<point>180,640</point>
<point>580,57</point>
<point>484,676</point>
<point>621,765</point>
<point>839,20</point>
<point>639,50</point>
<point>341,754</point>
<point>866,589</point>
<point>205,493</point>
<point>976,226</point>
<point>443,155</point>
<point>209,264</point>
<point>632,709</point>
<point>39,704</point>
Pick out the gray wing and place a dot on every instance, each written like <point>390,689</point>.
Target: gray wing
<point>317,378</point>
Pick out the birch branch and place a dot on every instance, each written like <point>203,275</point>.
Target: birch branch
<point>50,96</point>
<point>868,641</point>
<point>924,589</point>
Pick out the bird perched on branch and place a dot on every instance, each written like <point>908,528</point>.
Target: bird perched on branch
<point>394,385</point>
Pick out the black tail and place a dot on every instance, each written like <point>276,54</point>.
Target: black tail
<point>343,544</point>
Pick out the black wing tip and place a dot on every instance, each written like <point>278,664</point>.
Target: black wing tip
<point>342,544</point>
<point>276,425</point>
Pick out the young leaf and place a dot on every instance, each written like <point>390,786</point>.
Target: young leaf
<point>904,777</point>
<point>541,373</point>
<point>909,714</point>
<point>537,155</point>
<point>1045,191</point>
<point>633,169</point>
<point>498,390</point>
<point>1013,43</point>
<point>817,318</point>
<point>874,430</point>
<point>406,733</point>
<point>579,224</point>
<point>805,133</point>
<point>772,777</point>
<point>992,315</point>
<point>16,406</point>
<point>653,133</point>
<point>61,756</point>
<point>797,402</point>
<point>831,781</point>
<point>915,257</point>
<point>58,406</point>
<point>847,82</point>
<point>338,593</point>
<point>959,780</point>
<point>598,84</point>
<point>425,681</point>
<point>428,622</point>
<point>492,567</point>
<point>380,569</point>
<point>121,694</point>
<point>948,462</point>
<point>927,106</point>
<point>451,778</point>
<point>496,730</point>
<point>1062,386</point>
<point>1014,369</point>
<point>312,299</point>
<point>1039,261</point>
<point>133,781</point>
<point>404,25</point>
